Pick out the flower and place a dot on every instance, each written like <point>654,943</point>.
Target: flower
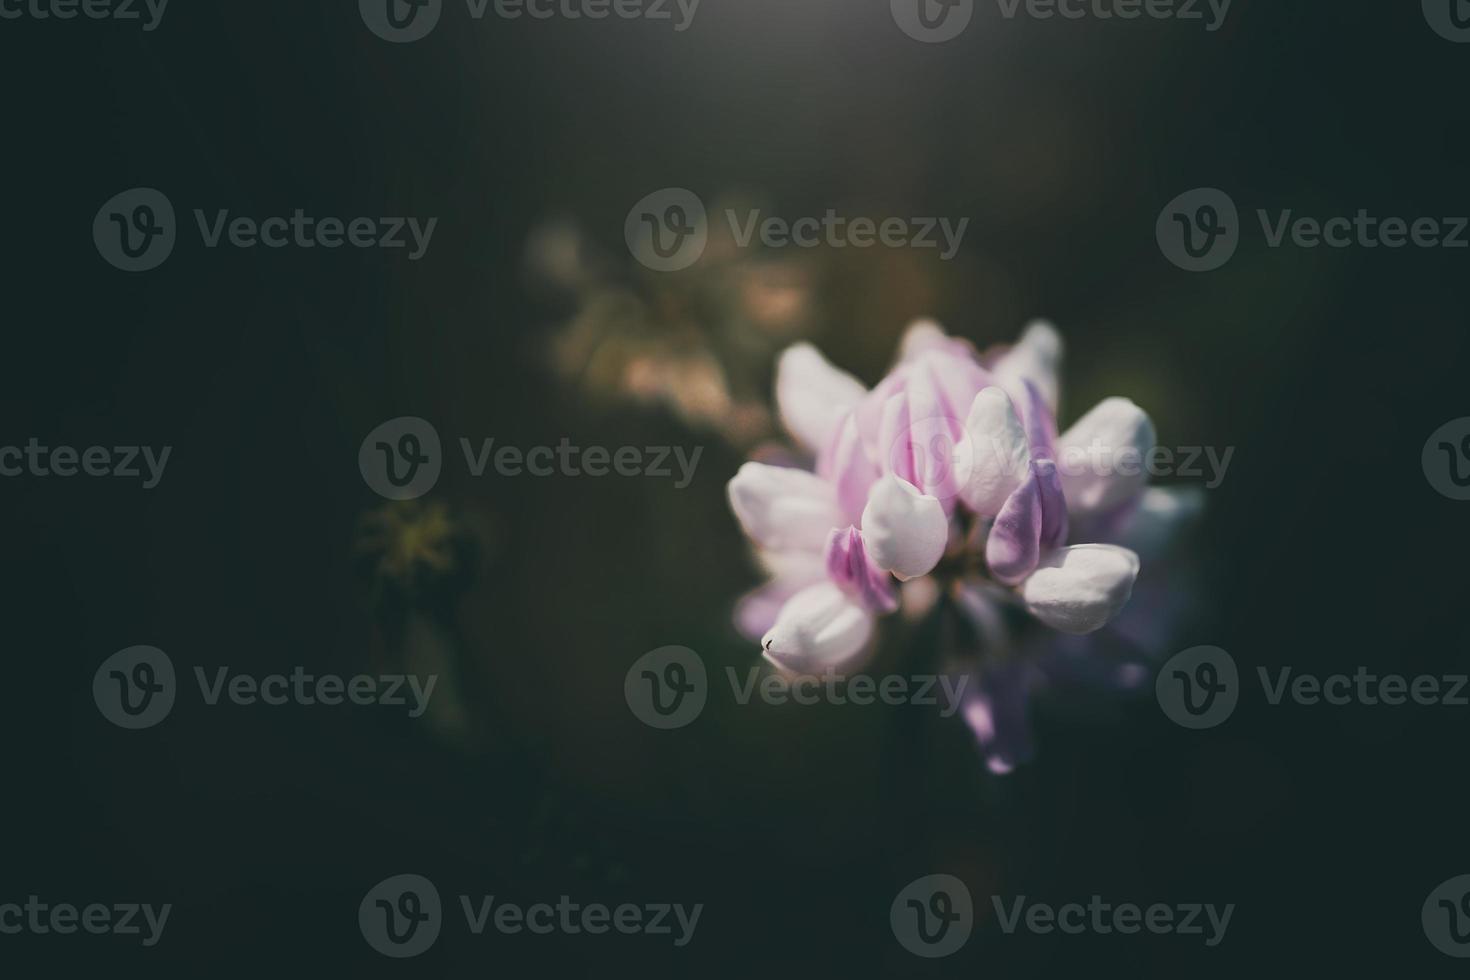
<point>950,469</point>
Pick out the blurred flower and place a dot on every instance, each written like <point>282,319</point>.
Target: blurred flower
<point>413,547</point>
<point>419,558</point>
<point>951,471</point>
<point>697,341</point>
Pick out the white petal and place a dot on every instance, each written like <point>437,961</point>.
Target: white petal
<point>790,572</point>
<point>905,530</point>
<point>803,567</point>
<point>923,336</point>
<point>1103,457</point>
<point>1079,589</point>
<point>818,629</point>
<point>783,509</point>
<point>1036,357</point>
<point>812,395</point>
<point>994,452</point>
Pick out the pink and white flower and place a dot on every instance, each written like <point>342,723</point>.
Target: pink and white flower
<point>947,467</point>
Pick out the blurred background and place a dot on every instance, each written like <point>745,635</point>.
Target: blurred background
<point>528,321</point>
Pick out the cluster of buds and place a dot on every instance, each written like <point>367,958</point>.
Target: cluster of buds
<point>948,478</point>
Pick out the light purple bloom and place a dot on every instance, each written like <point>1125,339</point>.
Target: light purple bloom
<point>951,469</point>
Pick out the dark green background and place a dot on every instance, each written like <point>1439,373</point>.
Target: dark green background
<point>1324,549</point>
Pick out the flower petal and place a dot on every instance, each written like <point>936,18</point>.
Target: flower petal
<point>905,530</point>
<point>1079,589</point>
<point>995,452</point>
<point>1103,456</point>
<point>1053,504</point>
<point>846,466</point>
<point>849,566</point>
<point>923,336</point>
<point>921,441</point>
<point>790,571</point>
<point>812,395</point>
<point>783,509</point>
<point>818,629</point>
<point>1014,545</point>
<point>942,386</point>
<point>1037,358</point>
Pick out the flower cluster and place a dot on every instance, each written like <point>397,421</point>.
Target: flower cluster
<point>944,481</point>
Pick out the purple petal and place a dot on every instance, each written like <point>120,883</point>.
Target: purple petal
<point>850,567</point>
<point>1053,504</point>
<point>847,467</point>
<point>1014,545</point>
